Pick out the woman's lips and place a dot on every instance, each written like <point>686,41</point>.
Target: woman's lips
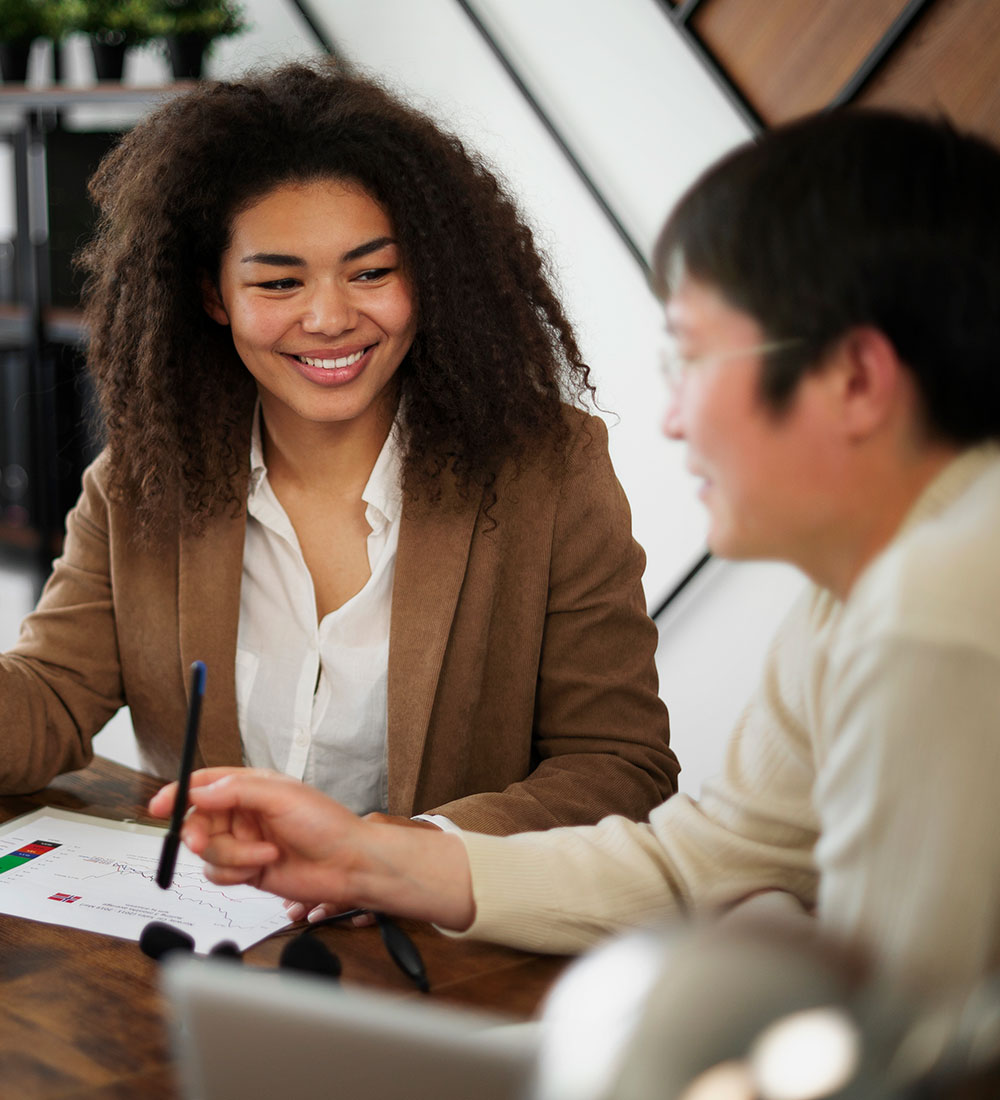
<point>330,360</point>
<point>328,368</point>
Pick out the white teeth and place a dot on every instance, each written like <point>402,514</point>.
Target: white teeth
<point>332,364</point>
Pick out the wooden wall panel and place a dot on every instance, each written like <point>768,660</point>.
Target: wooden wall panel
<point>949,65</point>
<point>789,57</point>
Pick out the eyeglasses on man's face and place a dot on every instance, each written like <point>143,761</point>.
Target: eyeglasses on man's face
<point>676,366</point>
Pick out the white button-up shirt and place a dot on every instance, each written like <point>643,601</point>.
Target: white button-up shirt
<point>311,696</point>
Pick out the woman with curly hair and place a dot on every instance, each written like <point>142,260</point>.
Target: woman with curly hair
<point>341,469</point>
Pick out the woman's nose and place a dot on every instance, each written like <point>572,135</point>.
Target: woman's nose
<point>330,310</point>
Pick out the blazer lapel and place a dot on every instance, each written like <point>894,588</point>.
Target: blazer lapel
<point>431,562</point>
<point>208,603</point>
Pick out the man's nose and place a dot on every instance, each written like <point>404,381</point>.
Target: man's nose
<point>672,423</point>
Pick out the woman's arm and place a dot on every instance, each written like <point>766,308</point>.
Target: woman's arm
<point>62,680</point>
<point>600,732</point>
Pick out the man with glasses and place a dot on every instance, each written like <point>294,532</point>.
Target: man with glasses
<point>833,301</point>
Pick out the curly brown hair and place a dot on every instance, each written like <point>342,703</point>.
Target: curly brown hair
<point>494,356</point>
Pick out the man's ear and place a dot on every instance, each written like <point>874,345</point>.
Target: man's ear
<point>212,300</point>
<point>867,378</point>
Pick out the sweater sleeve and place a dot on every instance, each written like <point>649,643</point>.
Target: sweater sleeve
<point>753,830</point>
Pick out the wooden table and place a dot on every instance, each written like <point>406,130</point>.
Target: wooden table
<point>81,1014</point>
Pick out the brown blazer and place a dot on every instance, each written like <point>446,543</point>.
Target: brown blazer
<point>522,688</point>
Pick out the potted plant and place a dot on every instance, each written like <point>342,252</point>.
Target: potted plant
<point>112,25</point>
<point>189,27</point>
<point>21,22</point>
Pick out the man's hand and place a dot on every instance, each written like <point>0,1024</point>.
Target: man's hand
<point>265,829</point>
<point>298,911</point>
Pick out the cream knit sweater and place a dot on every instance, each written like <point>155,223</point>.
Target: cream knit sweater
<point>861,779</point>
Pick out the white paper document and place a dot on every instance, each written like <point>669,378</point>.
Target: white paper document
<point>86,872</point>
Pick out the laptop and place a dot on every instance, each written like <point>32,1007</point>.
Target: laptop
<point>241,1032</point>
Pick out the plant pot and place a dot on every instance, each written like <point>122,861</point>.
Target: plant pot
<point>14,61</point>
<point>186,53</point>
<point>109,56</point>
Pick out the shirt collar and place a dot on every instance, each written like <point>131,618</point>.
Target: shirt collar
<point>383,491</point>
<point>258,471</point>
<point>951,482</point>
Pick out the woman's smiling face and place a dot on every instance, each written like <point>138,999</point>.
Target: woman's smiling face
<point>313,288</point>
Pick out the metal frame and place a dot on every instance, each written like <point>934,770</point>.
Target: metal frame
<point>897,33</point>
<point>319,34</point>
<point>554,133</point>
<point>681,15</point>
<point>679,587</point>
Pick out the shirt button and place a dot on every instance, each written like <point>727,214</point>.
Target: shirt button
<point>300,738</point>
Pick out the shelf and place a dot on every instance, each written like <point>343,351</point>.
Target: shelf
<point>19,100</point>
<point>62,326</point>
<point>57,96</point>
<point>56,132</point>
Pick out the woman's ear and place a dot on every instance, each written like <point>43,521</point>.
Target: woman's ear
<point>212,300</point>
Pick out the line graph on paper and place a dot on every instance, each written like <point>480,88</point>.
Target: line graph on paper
<point>84,872</point>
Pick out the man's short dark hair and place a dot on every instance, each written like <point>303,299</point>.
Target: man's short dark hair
<point>859,217</point>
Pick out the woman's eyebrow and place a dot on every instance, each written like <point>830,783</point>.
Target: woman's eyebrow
<point>367,248</point>
<point>282,259</point>
<point>275,259</point>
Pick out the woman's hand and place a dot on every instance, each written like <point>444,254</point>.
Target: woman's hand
<point>270,831</point>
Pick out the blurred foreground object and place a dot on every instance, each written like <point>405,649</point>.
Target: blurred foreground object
<point>755,1011</point>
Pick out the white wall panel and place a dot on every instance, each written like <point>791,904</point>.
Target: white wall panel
<point>629,97</point>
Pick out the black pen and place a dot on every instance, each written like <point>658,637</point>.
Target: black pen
<point>402,950</point>
<point>172,841</point>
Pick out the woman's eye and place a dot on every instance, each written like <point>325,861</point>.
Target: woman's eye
<point>279,284</point>
<point>373,274</point>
